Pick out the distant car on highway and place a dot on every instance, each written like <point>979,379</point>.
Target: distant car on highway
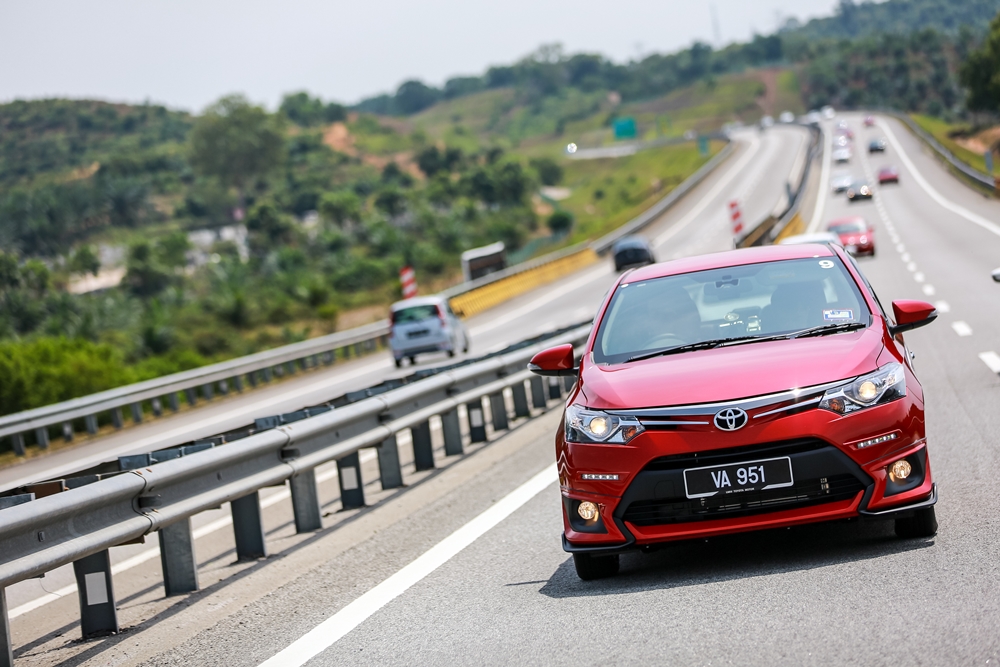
<point>787,117</point>
<point>876,146</point>
<point>738,391</point>
<point>630,251</point>
<point>813,237</point>
<point>844,131</point>
<point>766,121</point>
<point>422,325</point>
<point>869,121</point>
<point>828,112</point>
<point>855,234</point>
<point>888,175</point>
<point>840,183</point>
<point>859,190</point>
<point>841,141</point>
<point>842,155</point>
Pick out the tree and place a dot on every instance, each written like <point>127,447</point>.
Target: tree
<point>307,111</point>
<point>560,222</point>
<point>414,96</point>
<point>980,73</point>
<point>340,207</point>
<point>85,260</point>
<point>237,143</point>
<point>145,276</point>
<point>548,170</point>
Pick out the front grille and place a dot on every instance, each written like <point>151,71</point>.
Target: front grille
<point>735,454</point>
<point>802,494</point>
<point>822,474</point>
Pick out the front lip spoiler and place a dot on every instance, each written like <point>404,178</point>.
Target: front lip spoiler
<point>904,510</point>
<point>602,549</point>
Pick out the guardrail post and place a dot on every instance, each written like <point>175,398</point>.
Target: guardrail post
<point>352,491</point>
<point>305,502</point>
<point>157,407</point>
<point>248,527</point>
<point>390,474</point>
<point>6,643</point>
<point>477,425</point>
<point>555,391</point>
<point>180,569</point>
<point>175,405</point>
<point>520,400</point>
<point>136,413</point>
<point>423,450</point>
<point>224,387</point>
<point>98,615</point>
<point>498,408</point>
<point>192,396</point>
<point>208,391</point>
<point>17,442</point>
<point>67,431</point>
<point>452,430</point>
<point>292,366</point>
<point>117,419</point>
<point>42,436</point>
<point>538,399</point>
<point>267,374</point>
<point>238,383</point>
<point>252,378</point>
<point>91,424</point>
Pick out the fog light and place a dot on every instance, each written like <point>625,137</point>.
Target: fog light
<point>900,470</point>
<point>588,510</point>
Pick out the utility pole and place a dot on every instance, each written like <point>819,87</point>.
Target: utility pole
<point>715,27</point>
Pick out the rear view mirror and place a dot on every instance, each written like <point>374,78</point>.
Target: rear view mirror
<point>554,361</point>
<point>911,314</point>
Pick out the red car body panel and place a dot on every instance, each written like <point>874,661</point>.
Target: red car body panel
<point>741,372</point>
<point>888,175</point>
<point>864,242</point>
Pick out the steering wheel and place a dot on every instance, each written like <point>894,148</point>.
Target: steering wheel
<point>662,340</point>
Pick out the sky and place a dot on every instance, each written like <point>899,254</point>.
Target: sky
<point>188,53</point>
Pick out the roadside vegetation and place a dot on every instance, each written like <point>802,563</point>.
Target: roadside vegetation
<point>197,260</point>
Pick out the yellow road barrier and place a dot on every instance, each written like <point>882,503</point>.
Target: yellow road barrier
<point>795,226</point>
<point>488,296</point>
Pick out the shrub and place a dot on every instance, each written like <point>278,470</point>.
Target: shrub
<point>560,222</point>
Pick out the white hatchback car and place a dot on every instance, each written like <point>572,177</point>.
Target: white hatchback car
<point>422,325</point>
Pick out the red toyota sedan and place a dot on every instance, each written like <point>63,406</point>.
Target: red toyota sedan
<point>856,235</point>
<point>744,390</point>
<point>888,175</point>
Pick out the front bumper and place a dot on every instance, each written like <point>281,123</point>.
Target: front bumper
<point>832,481</point>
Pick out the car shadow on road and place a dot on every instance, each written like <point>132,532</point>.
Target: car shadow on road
<point>762,553</point>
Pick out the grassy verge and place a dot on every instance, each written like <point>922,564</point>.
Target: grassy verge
<point>943,131</point>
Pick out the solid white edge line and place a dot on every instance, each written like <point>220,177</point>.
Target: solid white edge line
<point>954,208</point>
<point>992,360</point>
<point>324,635</point>
<point>712,194</point>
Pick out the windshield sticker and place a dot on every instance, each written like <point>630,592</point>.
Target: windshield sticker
<point>841,315</point>
<point>825,264</point>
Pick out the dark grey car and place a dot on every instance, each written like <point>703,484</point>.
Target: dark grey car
<point>631,251</point>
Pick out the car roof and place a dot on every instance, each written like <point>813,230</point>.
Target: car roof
<point>631,242</point>
<point>719,260</point>
<point>417,301</point>
<point>848,218</point>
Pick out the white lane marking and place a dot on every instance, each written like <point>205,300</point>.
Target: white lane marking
<point>942,306</point>
<point>183,433</point>
<point>824,180</point>
<point>911,267</point>
<point>954,208</point>
<point>919,277</point>
<point>899,246</point>
<point>929,290</point>
<point>712,194</point>
<point>324,635</point>
<point>961,328</point>
<point>991,359</point>
<point>154,552</point>
<point>905,257</point>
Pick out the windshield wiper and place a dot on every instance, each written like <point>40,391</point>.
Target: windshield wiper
<point>824,329</point>
<point>723,342</point>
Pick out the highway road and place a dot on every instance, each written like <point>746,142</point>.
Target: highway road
<point>44,612</point>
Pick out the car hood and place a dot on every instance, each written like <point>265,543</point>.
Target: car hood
<point>730,373</point>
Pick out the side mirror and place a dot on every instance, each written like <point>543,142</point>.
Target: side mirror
<point>996,275</point>
<point>911,314</point>
<point>554,361</point>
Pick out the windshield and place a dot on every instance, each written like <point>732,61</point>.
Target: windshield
<point>848,226</point>
<point>414,314</point>
<point>756,300</point>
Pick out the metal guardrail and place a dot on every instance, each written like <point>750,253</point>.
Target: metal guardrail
<point>259,368</point>
<point>80,524</point>
<point>976,176</point>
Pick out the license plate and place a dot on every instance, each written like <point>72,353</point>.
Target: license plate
<point>418,333</point>
<point>736,478</point>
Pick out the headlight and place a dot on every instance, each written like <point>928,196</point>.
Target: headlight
<point>594,426</point>
<point>884,385</point>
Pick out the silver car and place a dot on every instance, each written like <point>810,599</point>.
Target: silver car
<point>422,325</point>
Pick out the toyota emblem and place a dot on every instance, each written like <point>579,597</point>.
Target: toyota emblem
<point>731,419</point>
